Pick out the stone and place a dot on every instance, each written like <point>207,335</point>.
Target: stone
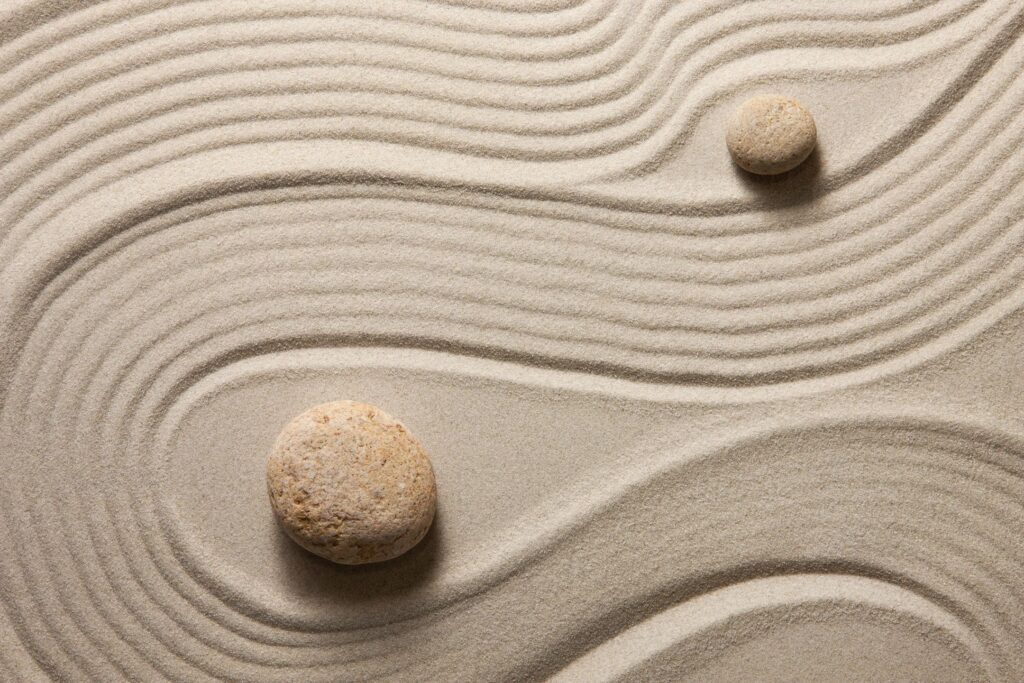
<point>771,134</point>
<point>349,483</point>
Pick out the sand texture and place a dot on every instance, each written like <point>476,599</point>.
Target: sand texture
<point>686,423</point>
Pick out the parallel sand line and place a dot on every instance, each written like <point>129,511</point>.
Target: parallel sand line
<point>121,108</point>
<point>26,225</point>
<point>683,319</point>
<point>37,31</point>
<point>196,67</point>
<point>713,619</point>
<point>985,500</point>
<point>573,46</point>
<point>174,249</point>
<point>36,195</point>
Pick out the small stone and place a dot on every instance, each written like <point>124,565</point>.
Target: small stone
<point>349,483</point>
<point>771,134</point>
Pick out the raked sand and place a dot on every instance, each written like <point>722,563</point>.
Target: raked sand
<point>686,423</point>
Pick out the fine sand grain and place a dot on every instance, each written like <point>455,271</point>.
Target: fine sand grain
<point>686,423</point>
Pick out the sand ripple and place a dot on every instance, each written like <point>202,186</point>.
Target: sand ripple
<point>214,212</point>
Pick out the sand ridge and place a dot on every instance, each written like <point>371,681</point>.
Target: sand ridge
<point>669,404</point>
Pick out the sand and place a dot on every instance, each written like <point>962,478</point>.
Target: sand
<point>685,423</point>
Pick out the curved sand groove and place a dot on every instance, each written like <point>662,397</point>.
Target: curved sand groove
<point>244,59</point>
<point>953,131</point>
<point>721,615</point>
<point>33,190</point>
<point>215,210</point>
<point>552,522</point>
<point>343,22</point>
<point>947,452</point>
<point>71,121</point>
<point>480,282</point>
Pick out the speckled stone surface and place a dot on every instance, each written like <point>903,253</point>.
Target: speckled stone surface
<point>348,482</point>
<point>771,134</point>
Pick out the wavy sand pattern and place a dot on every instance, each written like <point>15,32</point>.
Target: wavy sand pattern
<point>684,422</point>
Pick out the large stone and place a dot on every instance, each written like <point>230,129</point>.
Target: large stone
<point>348,482</point>
<point>771,134</point>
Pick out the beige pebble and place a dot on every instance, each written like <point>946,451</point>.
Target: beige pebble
<point>348,482</point>
<point>771,134</point>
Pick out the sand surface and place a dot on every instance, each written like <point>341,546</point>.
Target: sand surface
<point>686,424</point>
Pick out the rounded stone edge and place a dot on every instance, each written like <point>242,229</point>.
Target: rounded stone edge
<point>772,167</point>
<point>397,547</point>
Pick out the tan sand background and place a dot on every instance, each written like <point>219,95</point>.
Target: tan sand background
<point>687,424</point>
